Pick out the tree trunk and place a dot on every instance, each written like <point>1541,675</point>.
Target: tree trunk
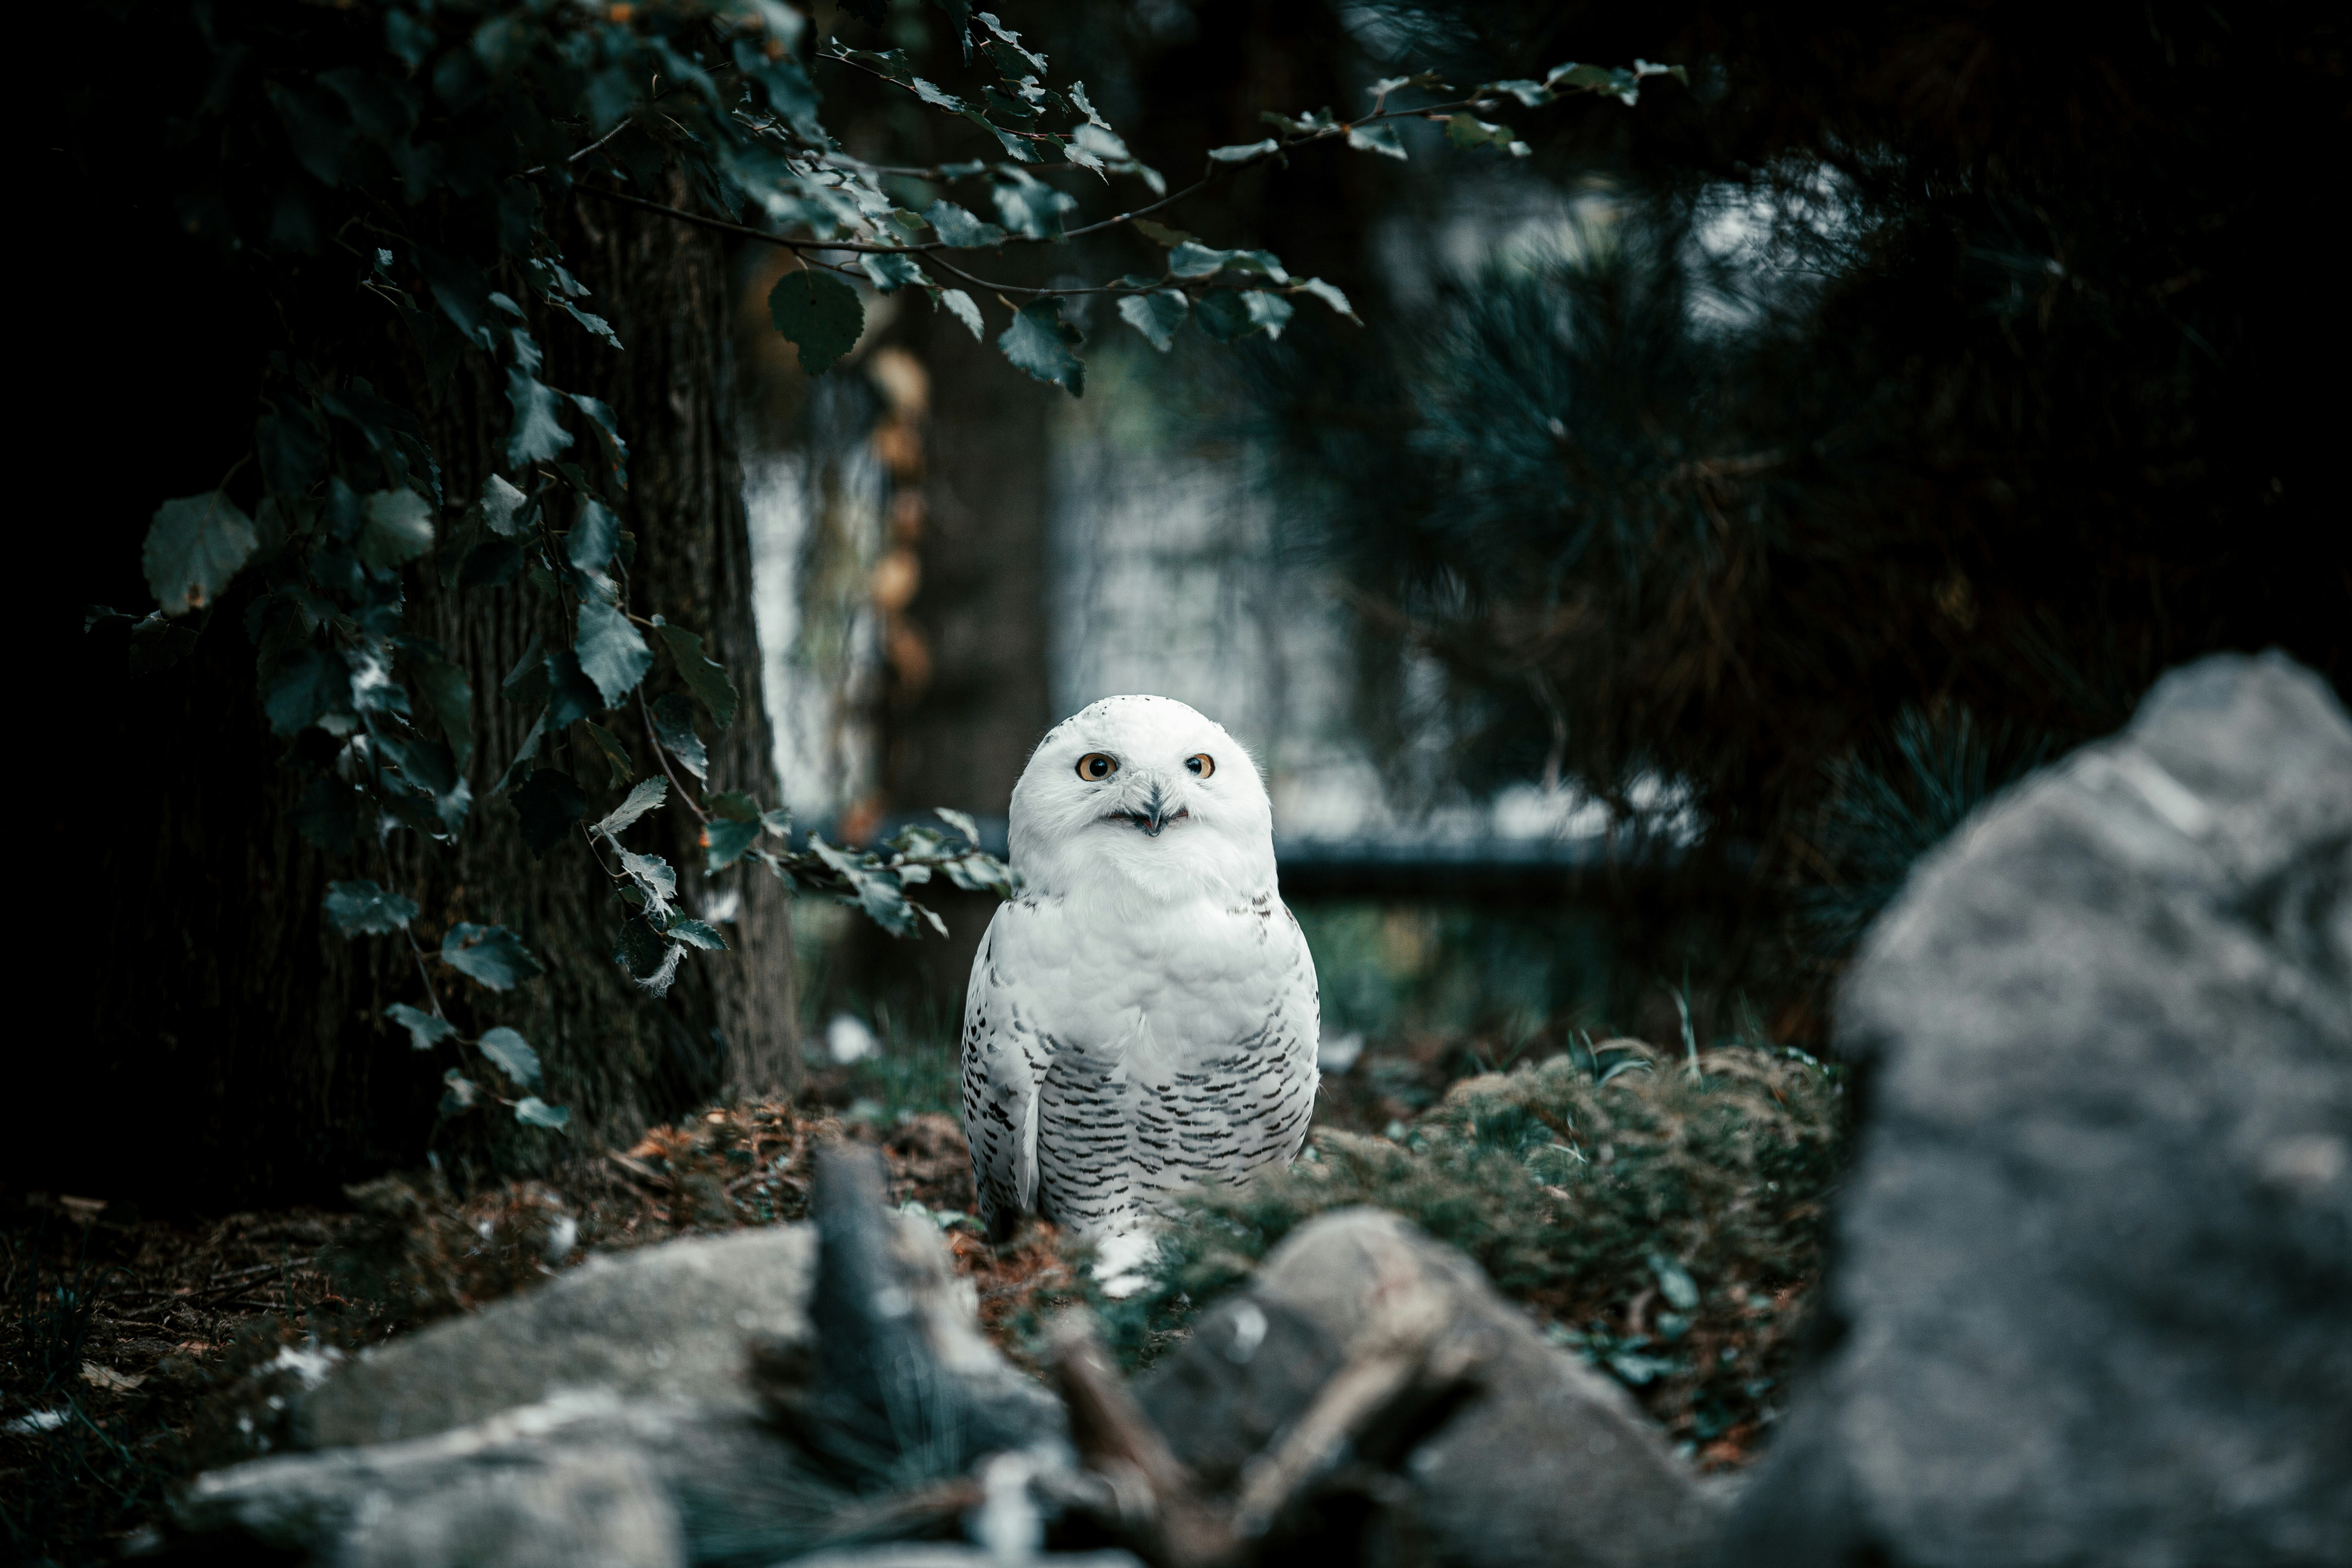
<point>238,1042</point>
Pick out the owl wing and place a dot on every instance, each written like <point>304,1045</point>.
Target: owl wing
<point>1002,1061</point>
<point>1285,1095</point>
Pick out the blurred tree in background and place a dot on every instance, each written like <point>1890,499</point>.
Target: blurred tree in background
<point>1875,419</point>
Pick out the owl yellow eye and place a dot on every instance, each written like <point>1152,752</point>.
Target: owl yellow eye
<point>1201,765</point>
<point>1096,765</point>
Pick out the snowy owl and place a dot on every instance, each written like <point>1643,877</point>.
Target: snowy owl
<point>1144,1013</point>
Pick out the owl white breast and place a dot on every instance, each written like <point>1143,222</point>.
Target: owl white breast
<point>1144,1013</point>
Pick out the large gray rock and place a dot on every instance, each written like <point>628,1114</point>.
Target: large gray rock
<point>581,1469</point>
<point>1544,1462</point>
<point>644,1410</point>
<point>667,1321</point>
<point>2094,1271</point>
<point>587,1508</point>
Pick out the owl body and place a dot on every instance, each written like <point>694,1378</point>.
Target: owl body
<point>1144,1013</point>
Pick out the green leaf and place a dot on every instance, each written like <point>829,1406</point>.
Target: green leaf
<point>533,1111</point>
<point>891,273</point>
<point>639,951</point>
<point>551,801</point>
<point>653,877</point>
<point>1330,295</point>
<point>935,97</point>
<point>1159,233</point>
<point>703,677</point>
<point>293,454</point>
<point>303,688</point>
<point>449,698</point>
<point>502,508</point>
<point>616,755</point>
<point>594,538</point>
<point>611,652</point>
<point>724,840</point>
<point>603,422</point>
<point>649,794</point>
<point>960,307</point>
<point>512,1054</point>
<point>1529,93</point>
<point>694,934</point>
<point>399,528</point>
<point>674,728</point>
<point>526,684</point>
<point>1039,343</point>
<point>1307,124</point>
<point>1380,138</point>
<point>1229,314</point>
<point>423,1029</point>
<point>571,695</point>
<point>1193,261</point>
<point>1008,54</point>
<point>979,873</point>
<point>876,890</point>
<point>1637,1369</point>
<point>960,821</point>
<point>958,227</point>
<point>1155,315</point>
<point>1028,205</point>
<point>362,909</point>
<point>492,954</point>
<point>158,644</point>
<point>1469,131</point>
<point>524,754</point>
<point>462,1092</point>
<point>195,546</point>
<point>1673,1282</point>
<point>819,314</point>
<point>537,434</point>
<point>1246,152</point>
<point>1100,143</point>
<point>734,805</point>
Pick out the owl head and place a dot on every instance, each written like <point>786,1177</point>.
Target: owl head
<point>1142,797</point>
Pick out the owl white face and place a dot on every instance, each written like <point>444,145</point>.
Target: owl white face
<point>1142,795</point>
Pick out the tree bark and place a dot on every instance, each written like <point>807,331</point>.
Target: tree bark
<point>236,1042</point>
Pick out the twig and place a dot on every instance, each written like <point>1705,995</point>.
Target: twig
<point>642,1173</point>
<point>1117,1441</point>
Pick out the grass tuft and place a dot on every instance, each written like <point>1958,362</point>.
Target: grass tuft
<point>1660,1217</point>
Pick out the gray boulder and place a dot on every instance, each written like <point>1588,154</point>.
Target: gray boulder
<point>2093,1284</point>
<point>1534,1459</point>
<point>667,1321</point>
<point>588,1507</point>
<point>656,1407</point>
<point>579,1470</point>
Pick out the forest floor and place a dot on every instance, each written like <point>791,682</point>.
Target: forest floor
<point>145,1350</point>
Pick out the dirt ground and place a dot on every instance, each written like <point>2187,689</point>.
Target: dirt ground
<point>140,1349</point>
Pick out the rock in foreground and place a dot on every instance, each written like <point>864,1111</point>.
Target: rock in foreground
<point>1519,1454</point>
<point>2095,1266</point>
<point>661,1323</point>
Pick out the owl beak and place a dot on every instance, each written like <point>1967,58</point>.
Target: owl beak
<point>1156,814</point>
